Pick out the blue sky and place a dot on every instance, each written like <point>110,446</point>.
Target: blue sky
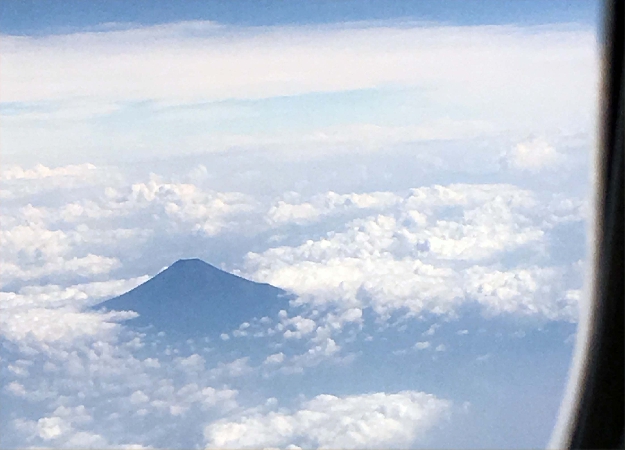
<point>42,17</point>
<point>417,175</point>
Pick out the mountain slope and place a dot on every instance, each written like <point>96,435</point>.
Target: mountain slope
<point>193,298</point>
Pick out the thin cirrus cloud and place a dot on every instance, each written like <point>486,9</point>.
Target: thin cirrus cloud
<point>95,93</point>
<point>188,61</point>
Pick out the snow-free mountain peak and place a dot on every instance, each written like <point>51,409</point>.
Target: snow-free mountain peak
<point>192,297</point>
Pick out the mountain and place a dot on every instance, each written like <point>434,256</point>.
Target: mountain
<point>193,298</point>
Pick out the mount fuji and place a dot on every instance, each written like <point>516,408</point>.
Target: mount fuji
<point>193,298</point>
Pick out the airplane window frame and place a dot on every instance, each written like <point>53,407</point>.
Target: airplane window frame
<point>595,418</point>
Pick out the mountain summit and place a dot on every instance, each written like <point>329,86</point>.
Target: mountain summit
<point>193,298</point>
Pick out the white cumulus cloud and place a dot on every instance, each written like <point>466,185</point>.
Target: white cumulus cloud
<point>327,421</point>
<point>424,253</point>
<point>533,155</point>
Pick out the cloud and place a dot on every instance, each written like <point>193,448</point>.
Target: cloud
<point>325,204</point>
<point>41,315</point>
<point>237,368</point>
<point>533,155</point>
<point>84,439</point>
<point>430,331</point>
<point>186,201</point>
<point>428,250</point>
<point>16,389</point>
<point>81,171</point>
<point>78,235</point>
<point>285,212</point>
<point>22,182</point>
<point>371,136</point>
<point>51,427</point>
<point>366,55</point>
<point>90,392</point>
<point>53,296</point>
<point>533,291</point>
<point>33,249</point>
<point>57,430</point>
<point>54,91</point>
<point>323,350</point>
<point>43,325</point>
<point>302,326</point>
<point>193,363</point>
<point>186,207</point>
<point>327,421</point>
<point>138,397</point>
<point>424,253</point>
<point>276,358</point>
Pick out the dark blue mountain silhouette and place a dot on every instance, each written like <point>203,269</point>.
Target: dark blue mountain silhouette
<point>193,298</point>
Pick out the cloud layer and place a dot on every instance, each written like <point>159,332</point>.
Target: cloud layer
<point>201,87</point>
<point>173,62</point>
<point>430,251</point>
